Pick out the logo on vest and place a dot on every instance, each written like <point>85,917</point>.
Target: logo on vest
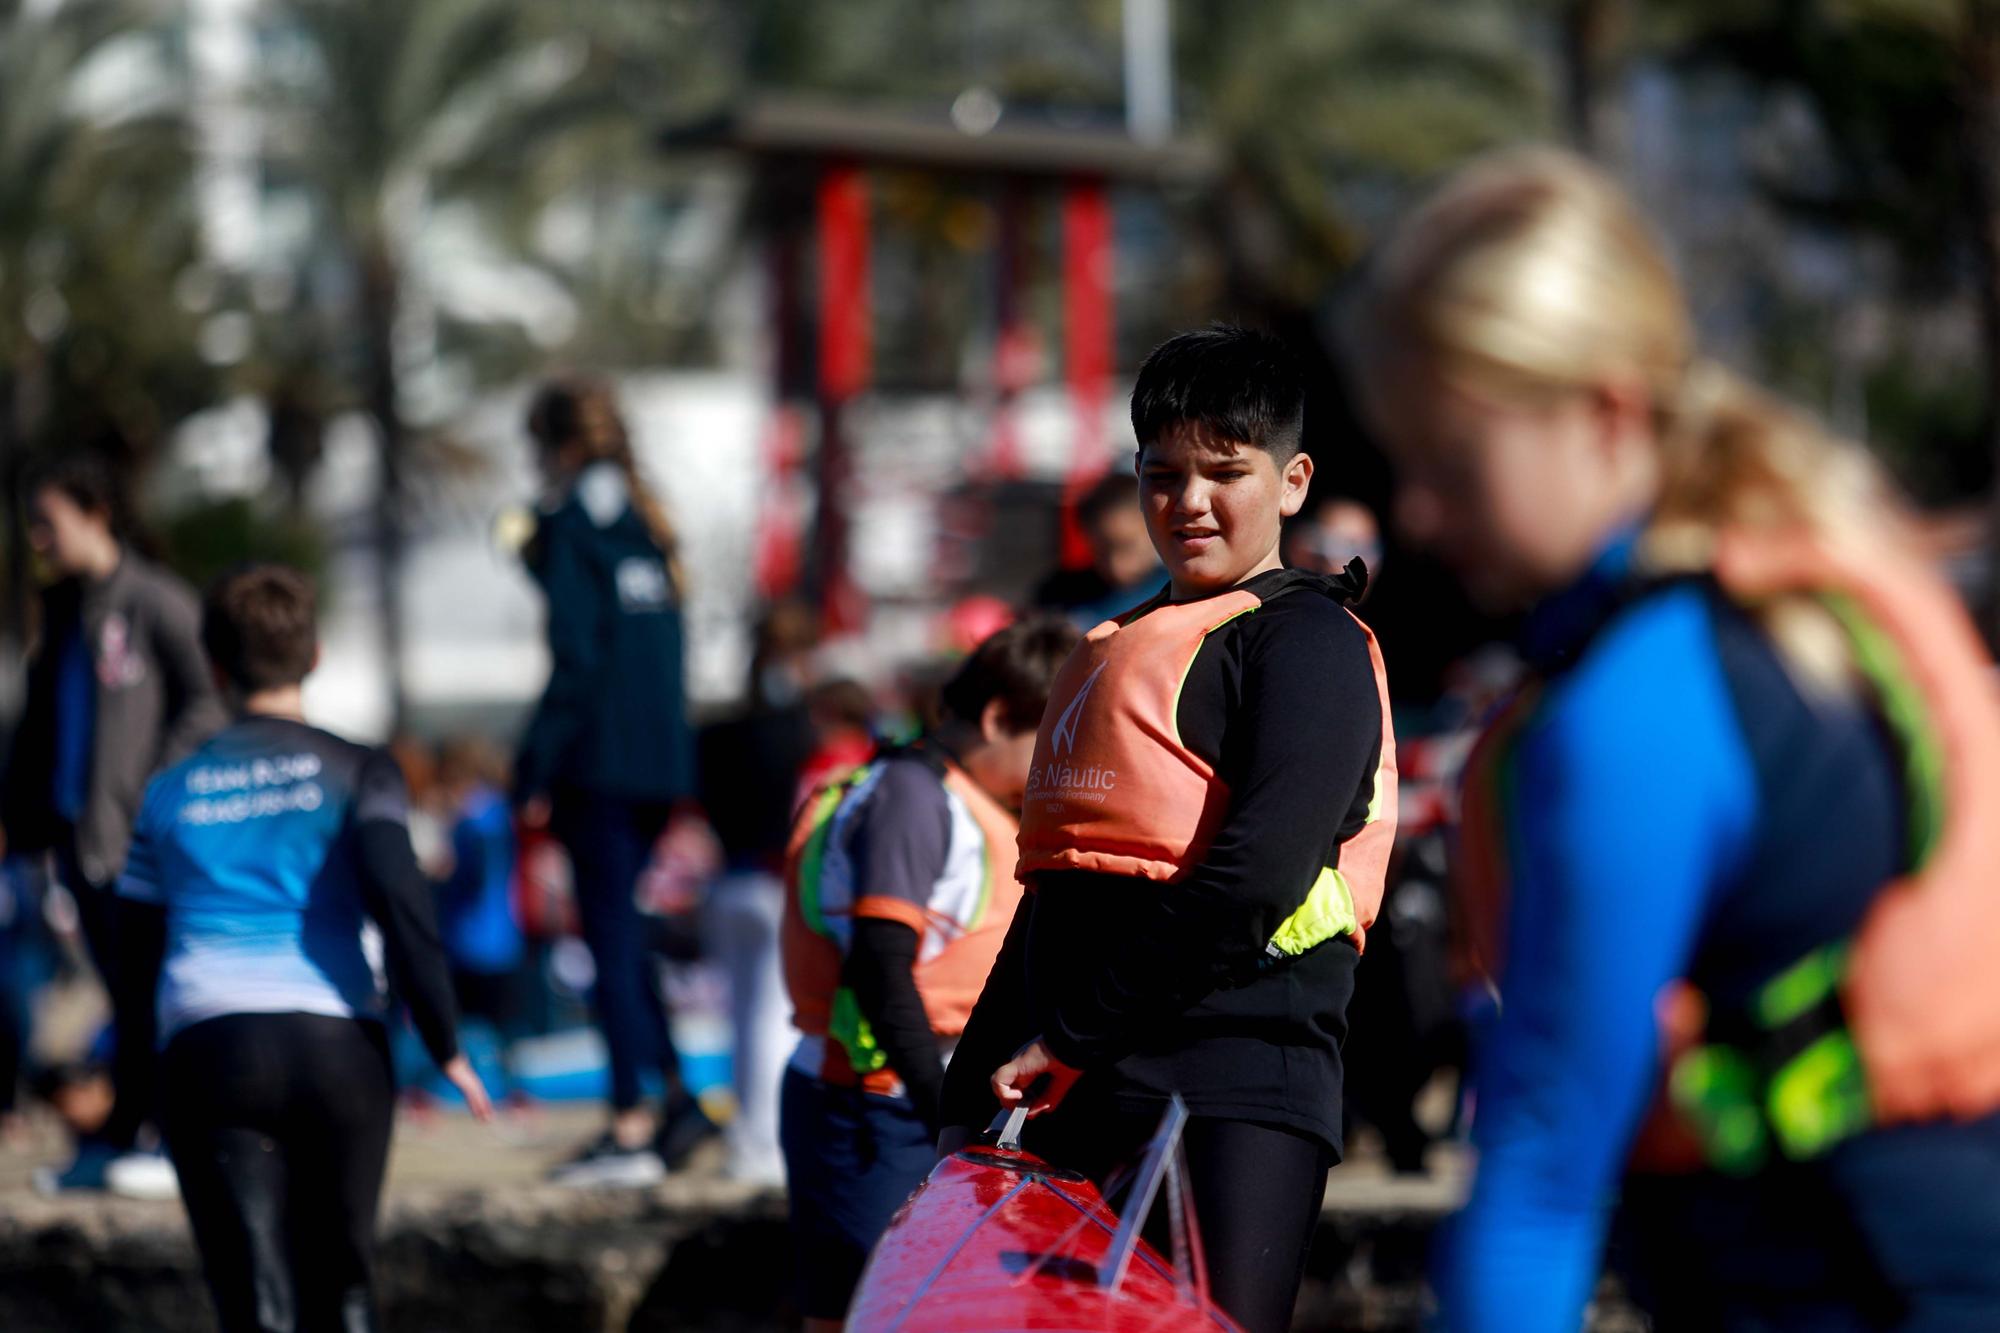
<point>1063,739</point>
<point>1058,782</point>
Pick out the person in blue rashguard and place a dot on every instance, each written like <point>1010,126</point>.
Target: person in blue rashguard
<point>482,935</point>
<point>1726,858</point>
<point>269,848</point>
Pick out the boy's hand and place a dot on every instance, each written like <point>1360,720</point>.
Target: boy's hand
<point>458,1070</point>
<point>1018,1078</point>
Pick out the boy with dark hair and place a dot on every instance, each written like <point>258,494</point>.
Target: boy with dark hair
<point>902,884</point>
<point>117,689</point>
<point>1204,837</point>
<point>267,848</point>
<point>1123,569</point>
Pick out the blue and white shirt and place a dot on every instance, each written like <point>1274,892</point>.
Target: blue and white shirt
<point>259,847</point>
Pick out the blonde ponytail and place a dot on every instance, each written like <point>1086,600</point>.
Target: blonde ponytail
<point>1734,457</point>
<point>1530,276</point>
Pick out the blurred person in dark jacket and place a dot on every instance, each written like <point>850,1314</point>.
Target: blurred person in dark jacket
<point>1124,570</point>
<point>749,764</point>
<point>118,688</point>
<point>1339,530</point>
<point>609,750</point>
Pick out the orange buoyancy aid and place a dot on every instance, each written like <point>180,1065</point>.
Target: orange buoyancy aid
<point>1114,789</point>
<point>1917,989</point>
<point>1922,994</point>
<point>960,929</point>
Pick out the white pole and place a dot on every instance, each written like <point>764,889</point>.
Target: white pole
<point>221,48</point>
<point>1149,70</point>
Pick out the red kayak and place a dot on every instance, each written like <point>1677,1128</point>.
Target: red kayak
<point>997,1239</point>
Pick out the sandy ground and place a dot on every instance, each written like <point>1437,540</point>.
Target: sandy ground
<point>446,1153</point>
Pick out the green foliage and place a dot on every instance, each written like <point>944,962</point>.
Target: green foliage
<point>204,539</point>
<point>95,225</point>
<point>1882,80</point>
<point>1929,424</point>
<point>1322,110</point>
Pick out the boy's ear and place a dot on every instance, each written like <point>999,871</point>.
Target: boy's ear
<point>1296,479</point>
<point>993,722</point>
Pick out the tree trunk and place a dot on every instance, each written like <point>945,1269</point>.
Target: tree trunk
<point>1589,31</point>
<point>379,295</point>
<point>14,596</point>
<point>1979,68</point>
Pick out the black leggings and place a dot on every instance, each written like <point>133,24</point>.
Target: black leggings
<point>126,940</point>
<point>1257,1194</point>
<point>279,1127</point>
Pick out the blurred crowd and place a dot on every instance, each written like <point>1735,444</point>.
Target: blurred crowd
<point>678,894</point>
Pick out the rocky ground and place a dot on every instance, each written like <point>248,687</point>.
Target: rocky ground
<point>471,1240</point>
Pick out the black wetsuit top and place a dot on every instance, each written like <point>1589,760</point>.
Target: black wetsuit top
<point>1155,989</point>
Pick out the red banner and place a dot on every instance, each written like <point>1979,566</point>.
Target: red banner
<point>1088,344</point>
<point>845,313</point>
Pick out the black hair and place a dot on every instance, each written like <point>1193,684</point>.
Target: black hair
<point>1235,383</point>
<point>1114,490</point>
<point>1017,666</point>
<point>86,476</point>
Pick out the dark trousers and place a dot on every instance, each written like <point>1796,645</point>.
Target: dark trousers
<point>851,1159</point>
<point>127,942</point>
<point>1257,1194</point>
<point>279,1128</point>
<point>609,842</point>
<point>13,1000</point>
<point>1897,1229</point>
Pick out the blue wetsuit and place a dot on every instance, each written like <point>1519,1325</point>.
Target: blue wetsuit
<point>1682,808</point>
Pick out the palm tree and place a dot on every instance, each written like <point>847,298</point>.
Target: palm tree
<point>1324,109</point>
<point>94,223</point>
<point>384,110</point>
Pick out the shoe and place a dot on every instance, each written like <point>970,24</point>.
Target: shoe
<point>85,1171</point>
<point>605,1165</point>
<point>764,1173</point>
<point>142,1175</point>
<point>683,1128</point>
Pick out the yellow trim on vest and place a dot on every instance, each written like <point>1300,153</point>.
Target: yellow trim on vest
<point>1375,795</point>
<point>1327,911</point>
<point>846,1026</point>
<point>1174,713</point>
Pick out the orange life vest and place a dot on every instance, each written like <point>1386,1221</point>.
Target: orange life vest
<point>1114,789</point>
<point>959,930</point>
<point>1916,988</point>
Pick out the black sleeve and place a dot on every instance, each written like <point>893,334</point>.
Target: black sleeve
<point>879,970</point>
<point>398,896</point>
<point>1300,736</point>
<point>1000,1024</point>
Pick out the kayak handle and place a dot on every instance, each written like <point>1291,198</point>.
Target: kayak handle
<point>1006,1127</point>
